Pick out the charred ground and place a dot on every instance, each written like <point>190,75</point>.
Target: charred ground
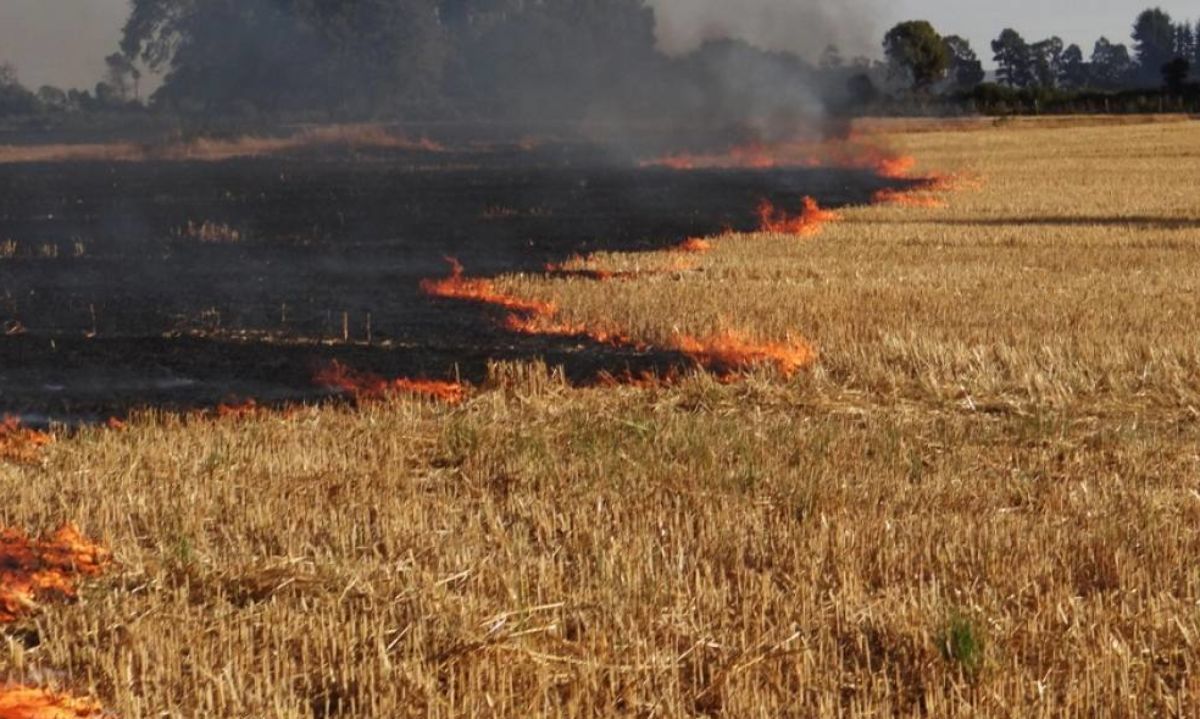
<point>116,296</point>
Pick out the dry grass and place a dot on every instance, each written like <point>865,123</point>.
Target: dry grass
<point>352,137</point>
<point>982,501</point>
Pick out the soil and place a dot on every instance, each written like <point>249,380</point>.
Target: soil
<point>113,304</point>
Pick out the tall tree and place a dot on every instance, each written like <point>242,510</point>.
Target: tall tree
<point>1111,64</point>
<point>1073,72</point>
<point>966,71</point>
<point>1196,47</point>
<point>357,57</point>
<point>1154,44</point>
<point>1185,41</point>
<point>1013,58</point>
<point>1046,59</point>
<point>122,77</point>
<point>1175,74</point>
<point>915,50</point>
<point>15,99</point>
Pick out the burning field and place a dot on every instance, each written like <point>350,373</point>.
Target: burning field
<point>431,431</point>
<point>206,273</point>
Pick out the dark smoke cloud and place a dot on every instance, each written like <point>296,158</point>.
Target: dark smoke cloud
<point>805,27</point>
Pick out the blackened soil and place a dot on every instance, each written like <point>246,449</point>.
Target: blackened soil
<point>114,305</point>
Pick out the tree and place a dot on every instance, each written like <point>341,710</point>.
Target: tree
<point>123,77</point>
<point>1175,74</point>
<point>831,58</point>
<point>357,57</point>
<point>916,50</point>
<point>14,98</point>
<point>1196,47</point>
<point>1073,72</point>
<point>1013,58</point>
<point>1154,43</point>
<point>1185,41</point>
<point>1046,60</point>
<point>52,98</point>
<point>1111,64</point>
<point>966,71</point>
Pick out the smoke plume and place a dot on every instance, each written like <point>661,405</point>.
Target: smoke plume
<point>804,27</point>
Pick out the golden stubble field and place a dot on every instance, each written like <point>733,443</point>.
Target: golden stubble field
<point>982,500</point>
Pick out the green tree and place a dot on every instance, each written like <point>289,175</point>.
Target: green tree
<point>15,99</point>
<point>1196,46</point>
<point>1185,41</point>
<point>1013,59</point>
<point>122,77</point>
<point>1046,61</point>
<point>347,57</point>
<point>52,98</point>
<point>1111,64</point>
<point>1154,43</point>
<point>915,50</point>
<point>966,71</point>
<point>1175,74</point>
<point>1073,71</point>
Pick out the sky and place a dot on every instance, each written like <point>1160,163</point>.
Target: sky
<point>63,42</point>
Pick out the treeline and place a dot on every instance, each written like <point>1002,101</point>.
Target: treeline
<point>554,61</point>
<point>524,61</point>
<point>1159,74</point>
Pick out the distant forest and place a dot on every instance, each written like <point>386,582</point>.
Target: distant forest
<point>572,60</point>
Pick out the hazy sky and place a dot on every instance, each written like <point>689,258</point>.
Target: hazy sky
<point>63,42</point>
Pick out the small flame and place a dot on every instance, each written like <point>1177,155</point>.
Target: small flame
<point>21,445</point>
<point>857,152</point>
<point>237,410</point>
<point>367,386</point>
<point>33,570</point>
<point>30,703</point>
<point>729,352</point>
<point>895,168</point>
<point>543,326</point>
<point>459,287</point>
<point>809,222</point>
<point>695,246</point>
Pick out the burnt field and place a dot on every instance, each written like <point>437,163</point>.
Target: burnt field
<point>177,284</point>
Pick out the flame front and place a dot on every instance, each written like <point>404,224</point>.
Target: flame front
<point>695,246</point>
<point>30,703</point>
<point>36,570</point>
<point>728,352</point>
<point>459,287</point>
<point>367,386</point>
<point>809,222</point>
<point>19,444</point>
<point>857,152</point>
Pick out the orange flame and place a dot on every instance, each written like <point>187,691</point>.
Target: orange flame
<point>33,570</point>
<point>855,152</point>
<point>729,352</point>
<point>695,245</point>
<point>29,703</point>
<point>725,353</point>
<point>237,410</point>
<point>809,222</point>
<point>367,386</point>
<point>544,326</point>
<point>895,167</point>
<point>458,287</point>
<point>19,444</point>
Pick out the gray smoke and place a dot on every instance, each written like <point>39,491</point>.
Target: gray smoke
<point>804,27</point>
